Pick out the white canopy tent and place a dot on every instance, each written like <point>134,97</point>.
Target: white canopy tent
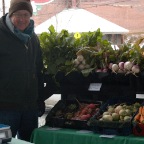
<point>79,20</point>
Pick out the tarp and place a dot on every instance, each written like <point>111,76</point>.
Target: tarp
<point>80,20</point>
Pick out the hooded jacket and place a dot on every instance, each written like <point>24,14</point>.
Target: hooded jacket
<point>21,80</point>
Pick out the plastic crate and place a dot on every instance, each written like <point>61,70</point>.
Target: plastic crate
<point>112,127</point>
<point>65,122</point>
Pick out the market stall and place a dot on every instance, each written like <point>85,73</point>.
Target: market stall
<point>88,70</point>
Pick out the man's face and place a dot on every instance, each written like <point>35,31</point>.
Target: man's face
<point>21,19</point>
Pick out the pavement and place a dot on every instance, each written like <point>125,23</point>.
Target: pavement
<point>50,103</point>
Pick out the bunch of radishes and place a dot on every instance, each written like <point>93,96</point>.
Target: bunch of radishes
<point>80,63</point>
<point>124,67</point>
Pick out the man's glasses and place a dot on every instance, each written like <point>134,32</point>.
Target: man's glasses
<point>19,16</point>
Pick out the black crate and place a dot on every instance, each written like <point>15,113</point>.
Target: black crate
<point>112,127</point>
<point>61,121</point>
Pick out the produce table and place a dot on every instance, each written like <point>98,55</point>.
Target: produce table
<point>17,141</point>
<point>45,135</point>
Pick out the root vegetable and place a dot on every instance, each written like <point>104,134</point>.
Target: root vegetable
<point>115,68</point>
<point>128,65</point>
<point>115,116</point>
<point>135,69</point>
<point>107,118</point>
<point>76,62</point>
<point>118,108</point>
<point>80,58</point>
<point>81,66</point>
<point>121,65</point>
<point>127,118</point>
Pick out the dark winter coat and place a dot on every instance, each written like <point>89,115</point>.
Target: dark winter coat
<point>20,71</point>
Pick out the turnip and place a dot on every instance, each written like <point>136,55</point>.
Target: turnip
<point>128,65</point>
<point>76,62</point>
<point>115,68</point>
<point>80,58</point>
<point>81,67</point>
<point>135,69</point>
<point>121,65</point>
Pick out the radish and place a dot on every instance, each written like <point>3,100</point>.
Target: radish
<point>80,58</point>
<point>128,65</point>
<point>135,69</point>
<point>115,68</point>
<point>121,65</point>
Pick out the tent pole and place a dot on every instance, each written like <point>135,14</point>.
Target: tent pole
<point>3,5</point>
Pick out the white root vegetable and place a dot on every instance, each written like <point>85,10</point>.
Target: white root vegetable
<point>115,68</point>
<point>128,65</point>
<point>76,62</point>
<point>81,67</point>
<point>135,69</point>
<point>80,58</point>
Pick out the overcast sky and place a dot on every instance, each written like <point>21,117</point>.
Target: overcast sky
<point>6,6</point>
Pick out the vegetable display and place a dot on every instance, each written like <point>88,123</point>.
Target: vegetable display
<point>89,53</point>
<point>120,113</point>
<point>139,117</point>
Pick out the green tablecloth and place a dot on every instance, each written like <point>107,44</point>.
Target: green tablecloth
<point>17,141</point>
<point>43,135</point>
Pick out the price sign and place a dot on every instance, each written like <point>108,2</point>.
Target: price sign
<point>77,35</point>
<point>107,136</point>
<point>140,96</point>
<point>95,86</point>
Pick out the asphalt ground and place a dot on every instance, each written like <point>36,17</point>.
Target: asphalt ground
<point>50,102</point>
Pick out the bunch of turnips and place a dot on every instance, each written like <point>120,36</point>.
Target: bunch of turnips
<point>127,60</point>
<point>124,67</point>
<point>89,53</point>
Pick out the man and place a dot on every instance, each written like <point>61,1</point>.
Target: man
<point>21,66</point>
